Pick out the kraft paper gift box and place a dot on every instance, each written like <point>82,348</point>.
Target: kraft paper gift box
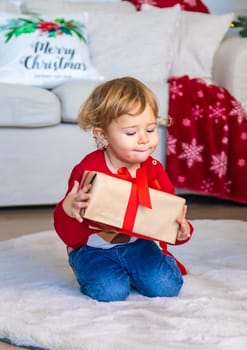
<point>122,206</point>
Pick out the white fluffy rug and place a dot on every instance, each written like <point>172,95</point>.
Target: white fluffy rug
<point>41,306</point>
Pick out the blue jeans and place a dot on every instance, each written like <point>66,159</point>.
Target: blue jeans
<point>108,274</point>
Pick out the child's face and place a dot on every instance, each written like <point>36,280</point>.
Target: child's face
<point>132,139</point>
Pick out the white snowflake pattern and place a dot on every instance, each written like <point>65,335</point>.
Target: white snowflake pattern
<point>237,111</point>
<point>186,122</point>
<point>191,152</point>
<point>207,185</point>
<point>220,96</point>
<point>243,136</point>
<point>217,112</point>
<point>148,2</point>
<point>225,137</point>
<point>219,164</point>
<point>200,93</point>
<point>181,179</point>
<point>241,162</point>
<point>227,186</point>
<point>171,145</point>
<point>197,112</point>
<point>190,2</point>
<point>225,140</point>
<point>176,90</point>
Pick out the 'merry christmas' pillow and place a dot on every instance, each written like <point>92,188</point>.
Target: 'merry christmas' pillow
<point>44,51</point>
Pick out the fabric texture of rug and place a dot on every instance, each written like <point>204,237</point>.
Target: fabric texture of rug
<point>41,306</point>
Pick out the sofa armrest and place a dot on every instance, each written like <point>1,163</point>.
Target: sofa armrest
<point>230,68</point>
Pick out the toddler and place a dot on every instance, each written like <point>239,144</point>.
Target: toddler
<point>122,114</point>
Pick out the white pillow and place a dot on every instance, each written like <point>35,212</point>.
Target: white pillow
<point>65,6</point>
<point>138,44</point>
<point>200,36</point>
<point>9,6</point>
<point>44,51</point>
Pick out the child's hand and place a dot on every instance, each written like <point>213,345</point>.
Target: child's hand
<point>76,200</point>
<point>184,227</point>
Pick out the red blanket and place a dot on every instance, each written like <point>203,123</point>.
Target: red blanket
<point>206,147</point>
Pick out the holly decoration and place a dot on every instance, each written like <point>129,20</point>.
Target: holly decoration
<point>59,26</point>
<point>241,22</point>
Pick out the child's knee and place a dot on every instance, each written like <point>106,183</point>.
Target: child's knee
<point>116,292</point>
<point>173,286</point>
<point>165,287</point>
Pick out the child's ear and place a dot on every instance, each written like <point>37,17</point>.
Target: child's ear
<point>100,137</point>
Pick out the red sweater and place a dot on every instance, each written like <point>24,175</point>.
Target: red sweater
<point>75,234</point>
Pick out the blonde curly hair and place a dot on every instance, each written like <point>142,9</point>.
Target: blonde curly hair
<point>114,98</point>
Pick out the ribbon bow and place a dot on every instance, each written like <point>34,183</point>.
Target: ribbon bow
<point>139,195</point>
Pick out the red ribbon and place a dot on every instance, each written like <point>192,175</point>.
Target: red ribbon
<point>139,195</point>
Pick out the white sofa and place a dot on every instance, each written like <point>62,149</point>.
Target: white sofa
<point>39,138</point>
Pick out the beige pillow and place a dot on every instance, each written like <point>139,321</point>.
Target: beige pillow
<point>7,6</point>
<point>198,37</point>
<point>138,44</point>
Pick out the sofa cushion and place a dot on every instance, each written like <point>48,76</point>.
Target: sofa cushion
<point>27,106</point>
<point>44,50</point>
<point>74,93</point>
